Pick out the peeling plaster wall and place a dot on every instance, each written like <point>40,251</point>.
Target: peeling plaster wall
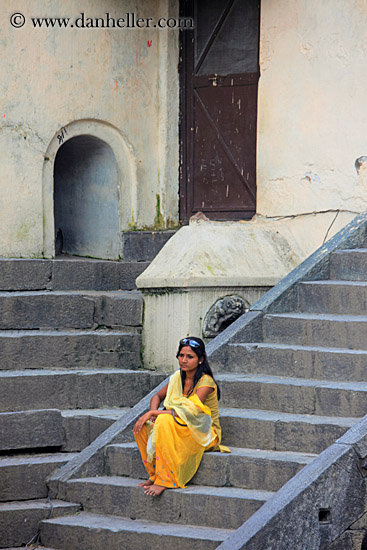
<point>312,118</point>
<point>51,77</point>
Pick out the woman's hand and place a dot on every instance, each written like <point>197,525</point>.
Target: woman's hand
<point>150,415</point>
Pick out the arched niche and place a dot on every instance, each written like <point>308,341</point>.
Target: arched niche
<point>86,199</point>
<point>89,190</point>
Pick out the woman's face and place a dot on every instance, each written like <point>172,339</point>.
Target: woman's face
<point>188,359</point>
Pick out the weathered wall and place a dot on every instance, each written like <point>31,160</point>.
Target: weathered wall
<point>311,113</point>
<point>51,77</point>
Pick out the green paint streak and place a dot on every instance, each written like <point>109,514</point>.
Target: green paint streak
<point>159,223</point>
<point>132,224</point>
<point>158,220</point>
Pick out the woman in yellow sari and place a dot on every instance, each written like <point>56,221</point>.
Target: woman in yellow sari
<point>172,441</point>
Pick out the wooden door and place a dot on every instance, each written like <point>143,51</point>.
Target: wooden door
<point>219,80</point>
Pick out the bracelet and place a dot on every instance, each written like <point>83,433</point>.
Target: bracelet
<point>175,419</point>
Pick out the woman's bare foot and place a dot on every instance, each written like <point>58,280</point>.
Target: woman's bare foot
<point>155,490</point>
<point>145,483</point>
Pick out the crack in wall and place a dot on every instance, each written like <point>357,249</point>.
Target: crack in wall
<point>330,226</point>
<point>27,133</point>
<point>302,214</point>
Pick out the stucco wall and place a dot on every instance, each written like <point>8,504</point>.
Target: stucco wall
<point>312,118</point>
<point>51,77</point>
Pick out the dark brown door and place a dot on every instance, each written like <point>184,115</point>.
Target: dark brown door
<point>219,78</point>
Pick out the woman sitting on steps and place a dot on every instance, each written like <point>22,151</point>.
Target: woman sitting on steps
<point>172,441</point>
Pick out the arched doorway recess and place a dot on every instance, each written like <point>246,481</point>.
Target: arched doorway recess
<point>86,199</point>
<point>89,155</point>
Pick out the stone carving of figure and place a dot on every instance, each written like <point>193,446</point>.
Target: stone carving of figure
<point>223,313</point>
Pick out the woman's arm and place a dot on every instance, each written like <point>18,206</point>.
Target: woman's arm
<point>153,412</point>
<point>203,392</point>
<point>158,398</point>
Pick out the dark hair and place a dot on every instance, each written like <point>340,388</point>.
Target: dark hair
<point>203,367</point>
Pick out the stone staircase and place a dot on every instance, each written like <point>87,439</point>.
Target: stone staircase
<point>70,337</point>
<point>285,398</point>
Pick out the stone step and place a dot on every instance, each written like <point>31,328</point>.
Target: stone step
<point>277,431</point>
<point>23,477</point>
<point>20,521</point>
<point>293,395</point>
<point>348,297</point>
<point>243,468</point>
<point>88,274</point>
<point>70,309</point>
<point>69,430</point>
<point>30,430</point>
<point>316,362</point>
<point>349,265</point>
<point>87,531</point>
<point>344,331</point>
<point>74,389</point>
<point>36,349</point>
<point>219,507</point>
<point>69,273</point>
<point>82,426</point>
<point>144,245</point>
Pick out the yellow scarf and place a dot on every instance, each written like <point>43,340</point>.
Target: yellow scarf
<point>189,410</point>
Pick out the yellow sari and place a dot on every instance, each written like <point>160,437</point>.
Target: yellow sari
<point>172,448</point>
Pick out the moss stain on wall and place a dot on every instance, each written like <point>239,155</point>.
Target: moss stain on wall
<point>158,220</point>
<point>22,232</point>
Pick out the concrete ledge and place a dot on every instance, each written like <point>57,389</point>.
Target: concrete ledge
<point>203,252</point>
<point>19,521</point>
<point>71,389</point>
<point>84,274</point>
<point>24,274</point>
<point>37,349</point>
<point>30,429</point>
<point>87,530</point>
<point>69,273</point>
<point>220,507</point>
<point>22,477</point>
<point>144,245</point>
<point>248,328</point>
<point>70,309</point>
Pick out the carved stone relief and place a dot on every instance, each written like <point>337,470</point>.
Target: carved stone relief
<point>222,313</point>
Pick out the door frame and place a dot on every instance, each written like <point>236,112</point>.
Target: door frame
<point>186,114</point>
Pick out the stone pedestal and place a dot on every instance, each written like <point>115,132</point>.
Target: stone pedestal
<point>208,260</point>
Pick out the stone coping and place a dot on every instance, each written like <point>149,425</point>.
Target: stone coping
<point>204,253</point>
